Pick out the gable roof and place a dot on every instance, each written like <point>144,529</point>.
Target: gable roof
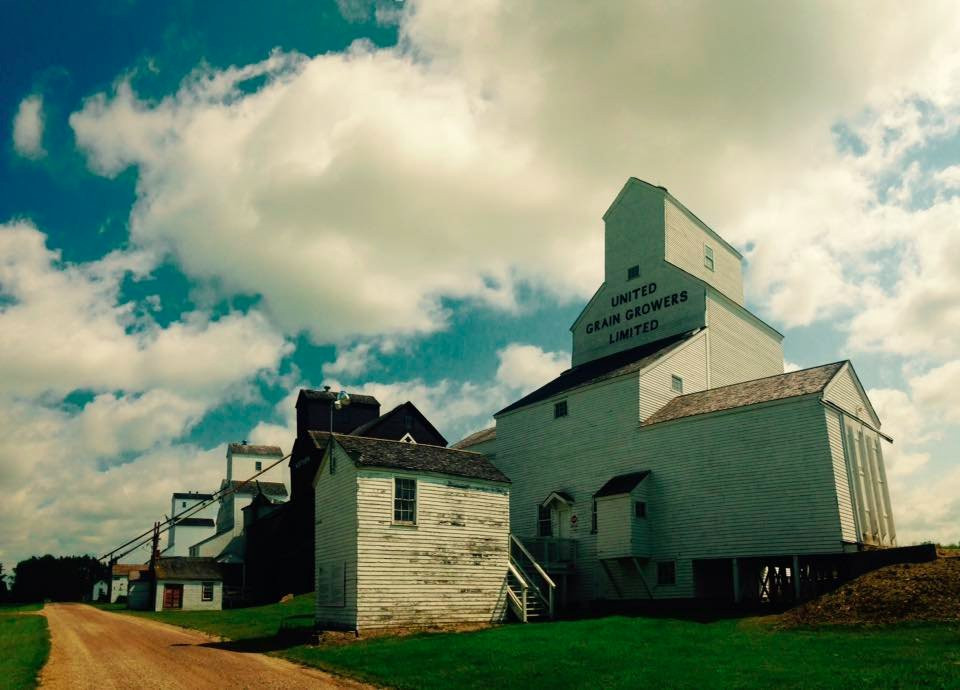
<point>601,369</point>
<point>187,568</point>
<point>622,484</point>
<point>476,437</point>
<point>370,428</point>
<point>274,489</point>
<point>778,387</point>
<point>247,449</point>
<point>416,457</point>
<point>355,398</point>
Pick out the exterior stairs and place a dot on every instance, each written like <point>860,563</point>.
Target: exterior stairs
<point>530,590</point>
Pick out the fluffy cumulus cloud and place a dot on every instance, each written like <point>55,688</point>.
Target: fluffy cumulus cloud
<point>95,394</point>
<point>28,128</point>
<point>354,191</point>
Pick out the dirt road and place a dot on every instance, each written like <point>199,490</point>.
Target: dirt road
<point>91,648</point>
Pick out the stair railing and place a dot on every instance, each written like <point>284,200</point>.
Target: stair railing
<point>551,586</point>
<point>519,603</point>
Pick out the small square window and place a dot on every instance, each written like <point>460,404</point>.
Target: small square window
<point>207,593</point>
<point>640,509</point>
<point>676,383</point>
<point>708,257</point>
<point>257,466</point>
<point>560,409</point>
<point>667,573</point>
<point>404,500</point>
<point>633,272</point>
<point>183,504</point>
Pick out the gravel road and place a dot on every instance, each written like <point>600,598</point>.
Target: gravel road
<point>91,648</point>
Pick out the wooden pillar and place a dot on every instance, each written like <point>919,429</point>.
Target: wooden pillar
<point>737,596</point>
<point>796,578</point>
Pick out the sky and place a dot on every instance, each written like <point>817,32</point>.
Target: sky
<point>206,206</point>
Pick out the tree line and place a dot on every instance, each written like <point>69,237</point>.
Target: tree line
<point>57,578</point>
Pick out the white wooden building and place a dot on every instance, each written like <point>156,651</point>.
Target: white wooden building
<point>120,579</point>
<point>408,535</point>
<point>198,525</point>
<point>676,459</point>
<point>188,584</point>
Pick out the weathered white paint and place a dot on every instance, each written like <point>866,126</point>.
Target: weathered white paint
<point>192,595</point>
<point>846,393</point>
<point>100,589</point>
<point>450,567</point>
<point>118,588</point>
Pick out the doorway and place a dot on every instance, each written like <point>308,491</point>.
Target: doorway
<point>173,596</point>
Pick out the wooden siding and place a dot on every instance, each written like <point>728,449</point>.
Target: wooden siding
<point>842,476</point>
<point>748,482</point>
<point>335,543</point>
<point>871,495</point>
<point>844,392</point>
<point>739,347</point>
<point>192,595</point>
<point>689,362</point>
<point>450,567</point>
<point>685,240</point>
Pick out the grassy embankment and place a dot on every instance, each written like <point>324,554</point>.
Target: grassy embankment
<point>608,652</point>
<point>24,645</point>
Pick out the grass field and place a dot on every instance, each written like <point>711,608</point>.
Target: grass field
<point>24,645</point>
<point>615,652</point>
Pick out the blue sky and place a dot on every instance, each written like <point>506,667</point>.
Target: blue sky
<point>205,206</point>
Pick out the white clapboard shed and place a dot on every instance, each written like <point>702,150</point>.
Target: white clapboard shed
<point>676,458</point>
<point>408,535</point>
<point>188,584</point>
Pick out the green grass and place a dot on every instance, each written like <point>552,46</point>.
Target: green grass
<point>24,645</point>
<point>615,652</point>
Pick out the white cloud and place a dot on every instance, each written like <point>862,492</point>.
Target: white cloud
<point>355,191</point>
<point>351,361</point>
<point>28,128</point>
<point>524,368</point>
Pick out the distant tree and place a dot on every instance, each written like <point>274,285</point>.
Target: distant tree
<point>3,585</point>
<point>64,578</point>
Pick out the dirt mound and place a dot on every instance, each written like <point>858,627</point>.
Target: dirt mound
<point>894,594</point>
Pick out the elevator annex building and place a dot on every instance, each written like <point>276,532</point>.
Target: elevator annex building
<point>676,458</point>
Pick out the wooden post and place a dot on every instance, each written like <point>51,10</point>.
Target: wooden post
<point>737,597</point>
<point>796,578</point>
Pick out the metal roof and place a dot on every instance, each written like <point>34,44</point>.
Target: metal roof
<point>476,437</point>
<point>622,484</point>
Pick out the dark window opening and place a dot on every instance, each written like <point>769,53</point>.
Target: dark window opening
<point>667,573</point>
<point>404,500</point>
<point>544,525</point>
<point>408,421</point>
<point>257,466</point>
<point>207,593</point>
<point>560,409</point>
<point>640,509</point>
<point>633,272</point>
<point>593,519</point>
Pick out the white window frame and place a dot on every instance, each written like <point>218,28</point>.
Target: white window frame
<point>407,438</point>
<point>416,501</point>
<point>257,465</point>
<point>203,591</point>
<point>676,384</point>
<point>708,260</point>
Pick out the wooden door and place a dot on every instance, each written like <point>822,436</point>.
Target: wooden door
<point>173,596</point>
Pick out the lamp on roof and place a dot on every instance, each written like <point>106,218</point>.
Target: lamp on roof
<point>340,401</point>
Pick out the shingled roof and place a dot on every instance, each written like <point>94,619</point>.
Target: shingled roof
<point>622,484</point>
<point>416,457</point>
<point>188,568</point>
<point>124,569</point>
<point>247,449</point>
<point>475,438</point>
<point>601,369</point>
<point>779,387</point>
<point>372,428</point>
<point>195,522</point>
<point>270,489</point>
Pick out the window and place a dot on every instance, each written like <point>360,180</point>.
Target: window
<point>633,272</point>
<point>667,573</point>
<point>404,500</point>
<point>408,421</point>
<point>640,509</point>
<point>257,466</point>
<point>333,463</point>
<point>183,504</point>
<point>560,409</point>
<point>593,519</point>
<point>676,383</point>
<point>544,526</point>
<point>207,592</point>
<point>708,257</point>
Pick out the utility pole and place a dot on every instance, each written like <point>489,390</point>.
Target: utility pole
<point>154,555</point>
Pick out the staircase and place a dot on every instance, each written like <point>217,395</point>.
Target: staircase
<point>530,591</point>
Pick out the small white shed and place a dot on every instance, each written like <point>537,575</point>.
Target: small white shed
<point>408,535</point>
<point>188,584</point>
<point>100,590</point>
